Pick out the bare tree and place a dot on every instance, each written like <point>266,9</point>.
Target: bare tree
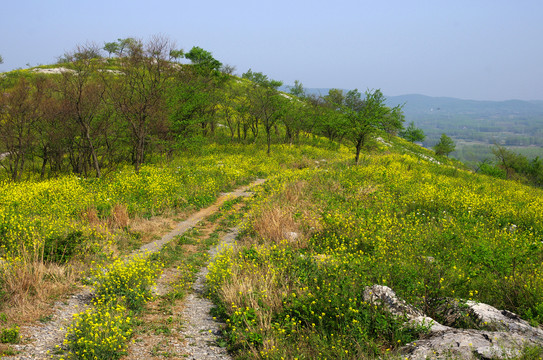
<point>138,93</point>
<point>19,112</point>
<point>82,94</point>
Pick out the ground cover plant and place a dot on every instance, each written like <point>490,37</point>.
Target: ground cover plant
<point>81,177</point>
<point>54,229</point>
<point>431,231</point>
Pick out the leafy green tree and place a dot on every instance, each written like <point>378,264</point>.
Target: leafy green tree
<point>511,162</point>
<point>20,111</point>
<point>335,98</point>
<point>176,54</point>
<point>192,104</point>
<point>127,46</point>
<point>364,116</point>
<point>486,167</point>
<point>82,99</point>
<point>293,118</point>
<point>298,89</point>
<point>536,171</point>
<point>203,59</point>
<point>265,101</point>
<point>512,165</point>
<point>445,146</point>
<point>234,108</point>
<point>196,94</point>
<point>412,133</point>
<point>1,59</point>
<point>329,120</point>
<point>393,121</point>
<point>111,47</point>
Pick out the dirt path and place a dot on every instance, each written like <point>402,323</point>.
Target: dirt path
<point>40,340</point>
<point>202,330</point>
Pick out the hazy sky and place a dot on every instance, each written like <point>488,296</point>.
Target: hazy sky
<point>471,49</point>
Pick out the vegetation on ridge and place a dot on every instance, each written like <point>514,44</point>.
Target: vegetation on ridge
<point>104,144</point>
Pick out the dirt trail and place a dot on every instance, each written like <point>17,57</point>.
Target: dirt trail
<point>40,340</point>
<point>195,218</point>
<point>202,330</point>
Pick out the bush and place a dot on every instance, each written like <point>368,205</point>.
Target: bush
<point>99,333</point>
<point>130,280</point>
<point>9,335</point>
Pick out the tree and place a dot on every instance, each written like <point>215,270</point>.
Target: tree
<point>510,162</point>
<point>138,95</point>
<point>20,111</point>
<point>1,59</point>
<point>176,54</point>
<point>297,89</point>
<point>412,133</point>
<point>364,116</point>
<point>111,47</point>
<point>265,101</point>
<point>293,117</point>
<point>393,121</point>
<point>203,59</point>
<point>128,45</point>
<point>234,107</point>
<point>335,98</point>
<point>228,69</point>
<point>445,146</point>
<point>327,121</point>
<point>194,97</point>
<point>82,96</point>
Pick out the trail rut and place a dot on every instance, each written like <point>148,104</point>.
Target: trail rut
<point>41,340</point>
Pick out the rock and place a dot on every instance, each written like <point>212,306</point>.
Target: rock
<point>387,297</point>
<point>502,320</point>
<point>291,235</point>
<point>467,344</point>
<point>444,342</point>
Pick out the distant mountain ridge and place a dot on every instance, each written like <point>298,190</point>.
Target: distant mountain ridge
<point>417,104</point>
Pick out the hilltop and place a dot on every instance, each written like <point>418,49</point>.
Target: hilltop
<point>358,244</point>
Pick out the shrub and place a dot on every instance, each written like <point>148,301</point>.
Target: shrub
<point>9,335</point>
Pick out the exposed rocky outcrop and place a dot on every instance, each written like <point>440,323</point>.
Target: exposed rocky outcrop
<point>509,334</point>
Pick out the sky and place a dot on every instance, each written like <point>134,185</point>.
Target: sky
<point>469,49</point>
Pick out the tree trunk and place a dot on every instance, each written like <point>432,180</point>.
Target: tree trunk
<point>359,144</point>
<point>269,143</point>
<point>96,164</point>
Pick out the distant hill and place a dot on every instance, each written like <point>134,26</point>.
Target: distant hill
<point>421,104</point>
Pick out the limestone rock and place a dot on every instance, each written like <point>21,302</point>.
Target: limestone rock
<point>445,342</point>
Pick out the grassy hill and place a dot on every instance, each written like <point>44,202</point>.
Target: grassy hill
<point>316,234</point>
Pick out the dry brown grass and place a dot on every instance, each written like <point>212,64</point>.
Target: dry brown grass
<point>91,216</point>
<point>152,228</point>
<point>289,217</point>
<point>119,217</point>
<point>30,285</point>
<point>275,224</point>
<point>256,288</point>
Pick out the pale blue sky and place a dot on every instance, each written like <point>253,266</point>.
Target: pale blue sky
<point>471,49</point>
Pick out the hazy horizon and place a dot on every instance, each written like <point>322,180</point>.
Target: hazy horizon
<point>483,50</point>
